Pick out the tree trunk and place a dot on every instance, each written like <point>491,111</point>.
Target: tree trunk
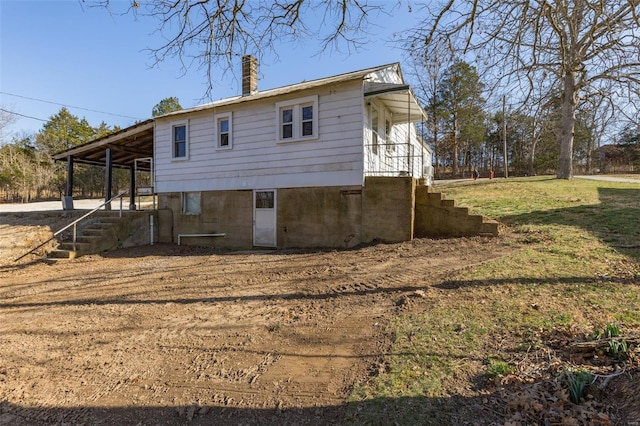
<point>532,158</point>
<point>436,151</point>
<point>569,101</point>
<point>590,148</point>
<point>532,154</point>
<point>455,147</point>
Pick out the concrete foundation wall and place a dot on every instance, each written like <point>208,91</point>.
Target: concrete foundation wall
<point>319,217</point>
<point>306,217</point>
<point>388,209</point>
<point>137,230</point>
<point>229,212</point>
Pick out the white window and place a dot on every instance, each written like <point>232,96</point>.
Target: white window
<point>191,203</point>
<point>224,131</point>
<point>180,140</point>
<point>297,119</point>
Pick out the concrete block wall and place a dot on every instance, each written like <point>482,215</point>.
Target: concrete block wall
<point>136,229</point>
<point>306,217</point>
<point>388,209</point>
<point>382,210</point>
<point>229,212</point>
<point>319,217</point>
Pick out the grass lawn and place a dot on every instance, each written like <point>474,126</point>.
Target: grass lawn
<point>496,344</point>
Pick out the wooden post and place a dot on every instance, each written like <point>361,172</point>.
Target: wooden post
<point>132,188</point>
<point>69,189</point>
<point>108,178</point>
<point>67,200</point>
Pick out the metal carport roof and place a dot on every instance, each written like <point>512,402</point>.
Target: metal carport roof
<point>126,145</point>
<point>400,100</point>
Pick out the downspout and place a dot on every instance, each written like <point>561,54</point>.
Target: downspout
<point>421,149</point>
<point>409,166</point>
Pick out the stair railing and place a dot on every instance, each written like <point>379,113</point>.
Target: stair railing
<point>75,223</point>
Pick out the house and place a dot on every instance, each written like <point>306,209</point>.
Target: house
<point>333,162</point>
<point>293,166</point>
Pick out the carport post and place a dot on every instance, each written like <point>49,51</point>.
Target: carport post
<point>108,178</point>
<point>67,200</point>
<point>132,188</point>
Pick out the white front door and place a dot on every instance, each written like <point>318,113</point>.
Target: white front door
<point>264,218</point>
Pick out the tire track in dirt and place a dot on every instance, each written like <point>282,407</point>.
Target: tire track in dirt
<point>203,331</point>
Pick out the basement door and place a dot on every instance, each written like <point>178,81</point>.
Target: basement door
<point>264,218</point>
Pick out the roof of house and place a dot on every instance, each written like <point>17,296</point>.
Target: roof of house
<point>263,94</point>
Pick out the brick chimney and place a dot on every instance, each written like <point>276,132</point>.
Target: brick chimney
<point>249,75</point>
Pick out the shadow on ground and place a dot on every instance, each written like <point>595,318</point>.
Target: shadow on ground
<point>382,411</point>
<point>615,221</point>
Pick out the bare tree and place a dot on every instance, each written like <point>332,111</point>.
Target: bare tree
<point>7,117</point>
<point>210,34</point>
<point>597,115</point>
<point>584,45</point>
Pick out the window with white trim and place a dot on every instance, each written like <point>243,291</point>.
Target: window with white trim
<point>179,140</point>
<point>297,119</point>
<point>224,131</point>
<point>191,203</point>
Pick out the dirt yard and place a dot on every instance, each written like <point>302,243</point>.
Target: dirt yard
<point>170,335</point>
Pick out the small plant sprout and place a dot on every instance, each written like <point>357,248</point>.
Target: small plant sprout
<point>617,348</point>
<point>577,382</point>
<point>497,367</point>
<point>610,331</point>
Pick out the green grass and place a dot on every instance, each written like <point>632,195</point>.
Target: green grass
<point>574,266</point>
<point>498,367</point>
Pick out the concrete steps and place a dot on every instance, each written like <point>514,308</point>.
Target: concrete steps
<point>103,231</point>
<point>438,216</point>
<point>88,239</point>
<point>62,254</point>
<point>489,227</point>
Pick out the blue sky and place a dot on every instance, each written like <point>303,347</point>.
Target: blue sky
<point>66,53</point>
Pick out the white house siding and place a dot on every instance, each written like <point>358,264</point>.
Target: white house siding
<point>386,75</point>
<point>256,160</point>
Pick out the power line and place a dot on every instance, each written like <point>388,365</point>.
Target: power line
<point>22,115</point>
<point>70,106</point>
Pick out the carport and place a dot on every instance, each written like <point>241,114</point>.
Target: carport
<point>123,149</point>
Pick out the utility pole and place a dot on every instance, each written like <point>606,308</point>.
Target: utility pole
<point>504,134</point>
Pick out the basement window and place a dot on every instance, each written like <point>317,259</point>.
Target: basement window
<point>191,203</point>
